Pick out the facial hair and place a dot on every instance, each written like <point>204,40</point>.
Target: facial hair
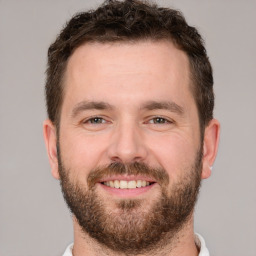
<point>134,228</point>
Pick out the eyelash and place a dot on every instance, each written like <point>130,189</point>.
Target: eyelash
<point>161,120</point>
<point>92,119</point>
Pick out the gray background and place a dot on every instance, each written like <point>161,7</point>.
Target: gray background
<point>34,220</point>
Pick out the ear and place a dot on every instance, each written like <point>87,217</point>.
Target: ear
<point>50,139</point>
<point>211,142</point>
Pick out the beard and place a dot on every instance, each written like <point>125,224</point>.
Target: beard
<point>133,226</point>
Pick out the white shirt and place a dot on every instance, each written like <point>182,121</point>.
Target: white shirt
<point>198,240</point>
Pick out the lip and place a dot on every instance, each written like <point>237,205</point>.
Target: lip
<point>127,178</point>
<point>123,193</point>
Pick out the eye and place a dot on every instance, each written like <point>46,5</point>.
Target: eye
<point>95,123</point>
<point>159,123</point>
<point>95,120</point>
<point>159,120</point>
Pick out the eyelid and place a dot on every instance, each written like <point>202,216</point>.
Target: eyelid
<point>167,119</point>
<point>86,120</point>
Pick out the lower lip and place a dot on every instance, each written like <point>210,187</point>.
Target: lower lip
<point>127,192</point>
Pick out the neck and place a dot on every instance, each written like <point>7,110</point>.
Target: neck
<point>182,244</point>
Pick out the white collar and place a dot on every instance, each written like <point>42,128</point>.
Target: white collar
<point>198,240</point>
<point>201,244</point>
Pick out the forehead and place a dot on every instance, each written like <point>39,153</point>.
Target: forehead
<point>160,56</point>
<point>144,69</point>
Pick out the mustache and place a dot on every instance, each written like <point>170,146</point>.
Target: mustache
<point>135,168</point>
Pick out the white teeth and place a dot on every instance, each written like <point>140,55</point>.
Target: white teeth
<point>143,183</point>
<point>123,184</point>
<point>116,184</point>
<point>138,183</point>
<point>111,184</point>
<point>131,184</point>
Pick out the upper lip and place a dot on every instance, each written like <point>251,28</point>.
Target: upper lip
<point>127,178</point>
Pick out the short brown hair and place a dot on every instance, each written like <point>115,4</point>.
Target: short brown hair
<point>130,20</point>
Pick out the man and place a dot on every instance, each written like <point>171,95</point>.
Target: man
<point>131,132</point>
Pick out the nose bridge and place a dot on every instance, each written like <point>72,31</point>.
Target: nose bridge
<point>127,143</point>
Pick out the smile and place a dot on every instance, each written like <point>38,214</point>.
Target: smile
<point>127,186</point>
<point>124,184</point>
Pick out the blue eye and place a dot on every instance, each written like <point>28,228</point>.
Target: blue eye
<point>95,123</point>
<point>96,120</point>
<point>159,120</point>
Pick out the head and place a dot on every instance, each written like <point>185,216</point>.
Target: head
<point>130,131</point>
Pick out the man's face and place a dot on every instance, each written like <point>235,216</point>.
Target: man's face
<point>129,119</point>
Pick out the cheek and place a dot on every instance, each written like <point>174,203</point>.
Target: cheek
<point>174,153</point>
<point>82,153</point>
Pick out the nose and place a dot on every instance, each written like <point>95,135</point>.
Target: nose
<point>127,144</point>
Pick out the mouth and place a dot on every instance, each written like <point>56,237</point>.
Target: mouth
<point>124,184</point>
<point>127,186</point>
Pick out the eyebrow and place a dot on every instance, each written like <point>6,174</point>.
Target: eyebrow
<point>90,105</point>
<point>167,105</point>
<point>151,105</point>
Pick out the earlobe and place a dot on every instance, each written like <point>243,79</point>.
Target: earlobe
<point>50,138</point>
<point>210,147</point>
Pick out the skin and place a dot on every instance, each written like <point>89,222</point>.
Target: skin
<point>127,77</point>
